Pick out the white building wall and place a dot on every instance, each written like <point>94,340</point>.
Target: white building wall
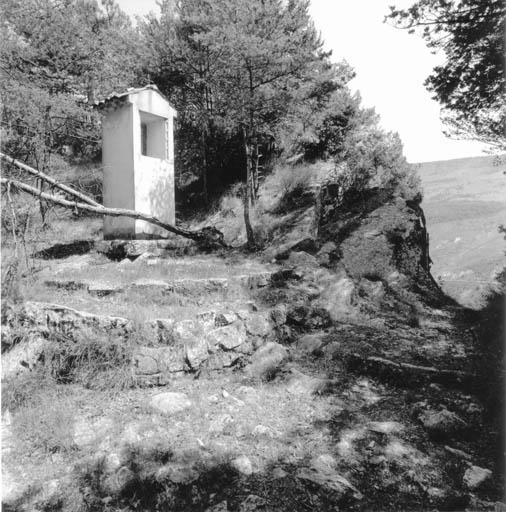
<point>118,170</point>
<point>135,181</point>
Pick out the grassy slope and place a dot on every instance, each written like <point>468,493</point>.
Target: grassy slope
<point>465,203</point>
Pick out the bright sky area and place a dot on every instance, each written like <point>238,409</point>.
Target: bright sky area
<point>391,66</point>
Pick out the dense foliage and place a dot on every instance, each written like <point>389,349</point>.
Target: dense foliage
<point>250,80</point>
<point>470,83</point>
<point>57,57</point>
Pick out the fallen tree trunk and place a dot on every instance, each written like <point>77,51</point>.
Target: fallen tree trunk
<point>405,373</point>
<point>207,237</point>
<point>54,184</point>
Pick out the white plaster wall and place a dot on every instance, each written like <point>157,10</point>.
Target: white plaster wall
<point>134,181</point>
<point>150,101</point>
<point>154,194</point>
<point>154,182</point>
<point>118,170</point>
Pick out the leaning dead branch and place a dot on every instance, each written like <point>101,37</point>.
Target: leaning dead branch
<point>44,177</point>
<point>207,237</point>
<point>407,373</point>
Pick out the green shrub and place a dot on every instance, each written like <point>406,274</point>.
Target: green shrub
<point>94,363</point>
<point>293,185</point>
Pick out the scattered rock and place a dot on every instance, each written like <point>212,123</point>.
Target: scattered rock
<point>278,315</point>
<point>224,319</point>
<point>118,481</point>
<point>337,299</point>
<point>475,477</point>
<point>326,253</point>
<point>278,473</point>
<point>257,325</point>
<point>149,361</point>
<point>309,317</point>
<point>436,494</point>
<point>222,506</point>
<point>330,480</point>
<point>310,344</point>
<point>458,453</point>
<point>280,277</point>
<point>300,384</point>
<point>302,259</point>
<point>266,360</point>
<point>385,427</point>
<point>325,461</point>
<point>177,474</point>
<point>228,337</point>
<point>252,503</point>
<point>23,356</point>
<point>220,360</point>
<point>170,403</point>
<point>49,318</point>
<point>242,465</point>
<point>331,350</point>
<point>196,352</point>
<point>263,431</point>
<point>219,424</point>
<point>442,424</point>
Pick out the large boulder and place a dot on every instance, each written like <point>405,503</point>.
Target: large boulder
<point>267,360</point>
<point>442,424</point>
<point>475,477</point>
<point>229,337</point>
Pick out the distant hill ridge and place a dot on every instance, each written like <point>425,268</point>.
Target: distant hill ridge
<point>465,203</point>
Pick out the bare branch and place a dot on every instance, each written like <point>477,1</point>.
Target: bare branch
<point>51,181</point>
<point>208,237</point>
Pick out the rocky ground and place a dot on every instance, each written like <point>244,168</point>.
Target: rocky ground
<point>327,372</point>
<point>266,386</point>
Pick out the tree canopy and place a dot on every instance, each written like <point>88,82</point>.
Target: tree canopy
<point>470,83</point>
<point>56,57</point>
<point>250,80</point>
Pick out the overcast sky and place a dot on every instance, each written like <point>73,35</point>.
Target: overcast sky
<point>391,66</point>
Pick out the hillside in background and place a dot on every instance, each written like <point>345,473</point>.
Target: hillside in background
<point>465,203</point>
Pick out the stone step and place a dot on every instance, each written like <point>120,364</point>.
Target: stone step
<point>161,348</point>
<point>224,287</point>
<point>120,249</point>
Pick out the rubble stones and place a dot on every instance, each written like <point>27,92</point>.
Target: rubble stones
<point>442,424</point>
<point>309,317</point>
<point>310,343</point>
<point>242,465</point>
<point>228,337</point>
<point>266,360</point>
<point>330,480</point>
<point>170,403</point>
<point>302,259</point>
<point>475,477</point>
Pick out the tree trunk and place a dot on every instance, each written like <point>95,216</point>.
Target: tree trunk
<point>256,182</point>
<point>205,192</point>
<point>250,234</point>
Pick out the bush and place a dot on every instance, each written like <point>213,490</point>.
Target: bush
<point>292,185</point>
<point>94,363</point>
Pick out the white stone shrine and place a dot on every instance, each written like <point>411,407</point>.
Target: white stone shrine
<point>138,161</point>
